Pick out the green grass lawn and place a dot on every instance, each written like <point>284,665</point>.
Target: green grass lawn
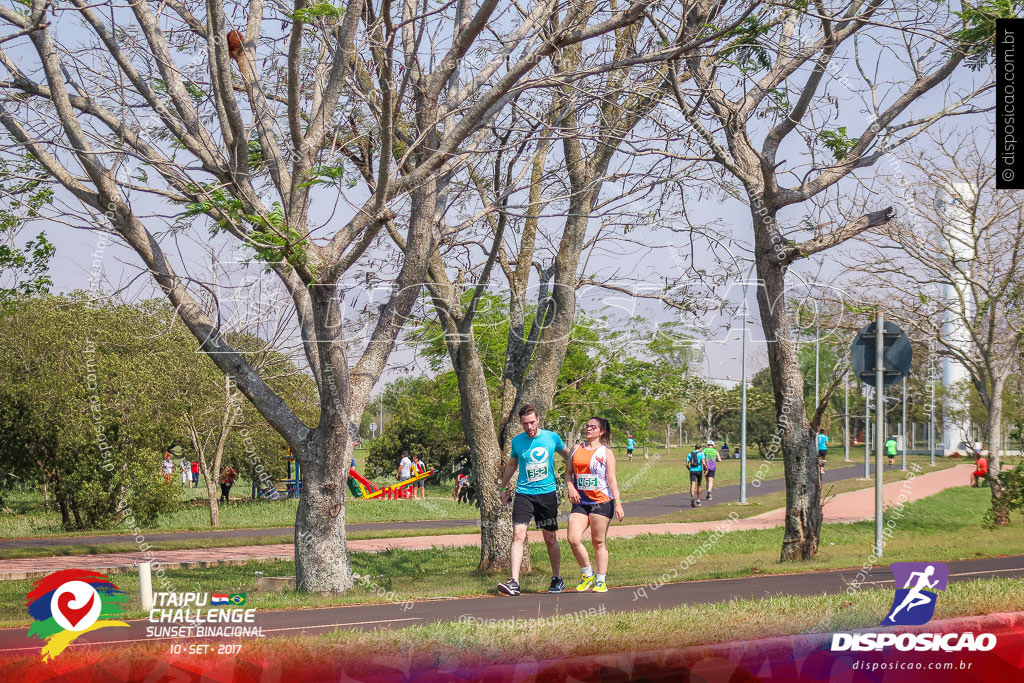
<point>662,474</point>
<point>29,519</point>
<point>946,526</point>
<point>239,515</point>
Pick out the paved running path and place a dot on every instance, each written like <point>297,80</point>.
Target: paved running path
<point>651,507</point>
<point>845,507</point>
<point>487,610</point>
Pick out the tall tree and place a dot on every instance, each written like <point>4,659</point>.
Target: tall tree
<point>596,102</point>
<point>959,235</point>
<point>82,406</point>
<point>768,108</point>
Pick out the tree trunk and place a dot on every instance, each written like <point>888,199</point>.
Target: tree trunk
<point>1000,507</point>
<point>212,496</point>
<point>65,514</point>
<point>77,515</point>
<point>486,456</point>
<point>793,435</point>
<point>321,554</point>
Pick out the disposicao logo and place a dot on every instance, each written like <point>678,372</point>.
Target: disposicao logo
<point>914,605</point>
<point>68,603</point>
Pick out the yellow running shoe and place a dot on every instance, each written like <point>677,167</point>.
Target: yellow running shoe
<point>600,587</point>
<point>585,583</point>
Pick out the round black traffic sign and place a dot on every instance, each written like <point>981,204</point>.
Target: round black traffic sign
<point>897,356</point>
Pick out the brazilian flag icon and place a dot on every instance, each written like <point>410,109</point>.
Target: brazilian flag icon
<point>237,599</point>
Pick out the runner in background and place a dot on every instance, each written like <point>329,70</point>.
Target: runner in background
<point>630,445</point>
<point>533,454</point>
<point>711,460</point>
<point>695,464</point>
<point>594,494</point>
<point>822,449</point>
<point>890,451</point>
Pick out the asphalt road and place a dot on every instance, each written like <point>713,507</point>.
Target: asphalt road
<point>651,507</point>
<point>481,610</point>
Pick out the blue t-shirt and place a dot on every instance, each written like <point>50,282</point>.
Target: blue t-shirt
<point>630,444</point>
<point>698,457</point>
<point>822,442</point>
<point>536,461</point>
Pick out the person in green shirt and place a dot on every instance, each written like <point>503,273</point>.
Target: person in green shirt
<point>890,451</point>
<point>711,460</point>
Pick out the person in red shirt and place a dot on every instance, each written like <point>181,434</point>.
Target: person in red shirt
<point>227,480</point>
<point>980,470</point>
<point>195,474</point>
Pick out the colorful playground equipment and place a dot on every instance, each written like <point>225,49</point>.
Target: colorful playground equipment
<point>359,485</point>
<point>364,489</point>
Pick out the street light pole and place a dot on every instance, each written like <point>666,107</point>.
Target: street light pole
<point>743,402</point>
<point>817,341</point>
<point>931,412</point>
<point>846,413</point>
<point>867,431</point>
<point>879,417</point>
<point>904,428</point>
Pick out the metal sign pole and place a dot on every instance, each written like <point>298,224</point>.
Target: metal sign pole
<point>846,412</point>
<point>904,428</point>
<point>931,412</point>
<point>867,431</point>
<point>743,400</point>
<point>880,418</point>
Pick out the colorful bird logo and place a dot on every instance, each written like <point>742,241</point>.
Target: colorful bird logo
<point>68,603</point>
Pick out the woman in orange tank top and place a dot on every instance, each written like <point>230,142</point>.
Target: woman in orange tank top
<point>594,494</point>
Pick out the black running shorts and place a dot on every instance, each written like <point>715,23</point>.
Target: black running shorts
<point>541,508</point>
<point>603,509</point>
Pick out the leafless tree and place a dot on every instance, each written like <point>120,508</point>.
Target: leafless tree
<point>958,234</point>
<point>774,107</point>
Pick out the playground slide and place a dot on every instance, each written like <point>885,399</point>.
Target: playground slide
<point>359,485</point>
<point>363,488</point>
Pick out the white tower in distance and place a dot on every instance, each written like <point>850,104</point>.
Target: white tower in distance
<point>956,296</point>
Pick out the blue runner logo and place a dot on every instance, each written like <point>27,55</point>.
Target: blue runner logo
<point>914,604</point>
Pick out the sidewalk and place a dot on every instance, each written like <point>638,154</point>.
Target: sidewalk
<point>852,506</point>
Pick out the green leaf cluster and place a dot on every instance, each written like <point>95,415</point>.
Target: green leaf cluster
<point>321,9</point>
<point>976,37</point>
<point>25,268</point>
<point>838,142</point>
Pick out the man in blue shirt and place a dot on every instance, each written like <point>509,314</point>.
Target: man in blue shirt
<point>533,454</point>
<point>695,463</point>
<point>630,445</point>
<point>822,449</point>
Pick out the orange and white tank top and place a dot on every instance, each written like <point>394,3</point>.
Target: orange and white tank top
<point>590,473</point>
